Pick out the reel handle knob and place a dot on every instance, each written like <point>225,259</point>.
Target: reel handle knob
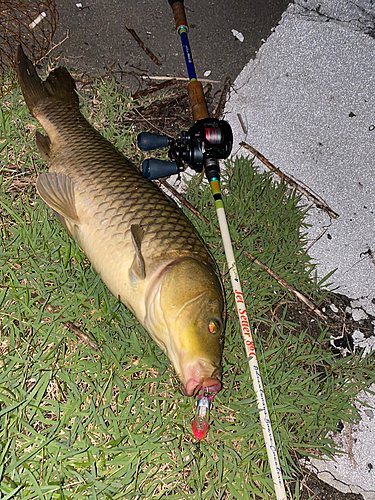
<point>153,168</point>
<point>148,141</point>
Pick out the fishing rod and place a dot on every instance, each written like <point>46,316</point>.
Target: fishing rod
<point>201,147</point>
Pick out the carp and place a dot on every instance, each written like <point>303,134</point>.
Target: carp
<point>145,249</point>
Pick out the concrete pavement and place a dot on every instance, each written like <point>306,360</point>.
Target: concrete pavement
<point>307,102</point>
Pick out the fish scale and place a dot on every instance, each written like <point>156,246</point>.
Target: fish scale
<point>145,249</point>
<point>167,230</point>
<point>166,227</point>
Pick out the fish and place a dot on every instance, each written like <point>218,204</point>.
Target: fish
<point>146,251</point>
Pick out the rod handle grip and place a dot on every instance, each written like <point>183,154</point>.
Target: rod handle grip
<point>197,100</point>
<point>179,13</point>
<point>154,169</point>
<point>148,141</point>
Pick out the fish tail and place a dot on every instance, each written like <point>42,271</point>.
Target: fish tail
<point>59,85</point>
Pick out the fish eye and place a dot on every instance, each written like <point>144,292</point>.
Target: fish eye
<point>214,326</point>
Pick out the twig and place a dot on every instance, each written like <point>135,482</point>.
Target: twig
<point>244,129</point>
<point>350,446</point>
<point>179,78</point>
<point>318,202</point>
<point>143,46</point>
<point>183,200</point>
<point>219,109</point>
<point>148,121</point>
<point>286,285</point>
<point>154,88</point>
<point>207,89</point>
<point>83,337</point>
<point>315,240</point>
<point>54,47</point>
<point>80,335</point>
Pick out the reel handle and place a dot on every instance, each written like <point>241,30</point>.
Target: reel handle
<point>148,141</point>
<point>153,169</point>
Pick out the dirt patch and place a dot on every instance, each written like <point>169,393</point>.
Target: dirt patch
<point>319,490</point>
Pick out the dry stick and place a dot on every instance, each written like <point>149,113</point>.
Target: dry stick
<point>154,88</point>
<point>179,78</point>
<point>207,89</point>
<point>350,446</point>
<point>82,337</point>
<point>54,47</point>
<point>286,285</point>
<point>183,200</point>
<point>148,121</point>
<point>315,239</point>
<point>220,107</point>
<point>143,46</point>
<point>318,202</point>
<point>244,129</point>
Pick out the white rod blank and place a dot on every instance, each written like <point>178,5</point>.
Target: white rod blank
<point>252,359</point>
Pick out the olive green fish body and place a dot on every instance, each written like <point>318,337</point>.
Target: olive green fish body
<point>109,200</point>
<point>142,245</point>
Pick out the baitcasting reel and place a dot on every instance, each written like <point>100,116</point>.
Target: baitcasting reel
<point>206,142</point>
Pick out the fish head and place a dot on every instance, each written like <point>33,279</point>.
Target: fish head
<point>192,307</point>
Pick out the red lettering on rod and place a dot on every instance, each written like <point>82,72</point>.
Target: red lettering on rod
<point>250,348</point>
<point>239,296</point>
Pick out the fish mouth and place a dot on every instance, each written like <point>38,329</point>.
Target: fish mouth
<point>196,380</point>
<point>192,387</point>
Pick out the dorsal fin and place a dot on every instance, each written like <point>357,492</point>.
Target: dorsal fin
<point>57,190</point>
<point>137,268</point>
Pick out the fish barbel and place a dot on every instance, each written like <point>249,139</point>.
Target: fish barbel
<point>142,245</point>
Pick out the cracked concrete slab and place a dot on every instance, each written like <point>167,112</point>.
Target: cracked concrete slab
<point>353,472</point>
<point>307,103</point>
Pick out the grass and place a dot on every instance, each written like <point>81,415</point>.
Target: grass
<point>76,423</point>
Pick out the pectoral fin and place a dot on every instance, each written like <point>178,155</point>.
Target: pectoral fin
<point>137,269</point>
<point>44,145</point>
<point>57,190</point>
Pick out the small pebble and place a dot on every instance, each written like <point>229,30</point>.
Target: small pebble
<point>238,35</point>
<point>359,314</point>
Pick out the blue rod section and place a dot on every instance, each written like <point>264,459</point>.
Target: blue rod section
<point>188,57</point>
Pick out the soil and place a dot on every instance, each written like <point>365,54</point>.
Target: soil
<point>341,327</point>
<point>323,491</point>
